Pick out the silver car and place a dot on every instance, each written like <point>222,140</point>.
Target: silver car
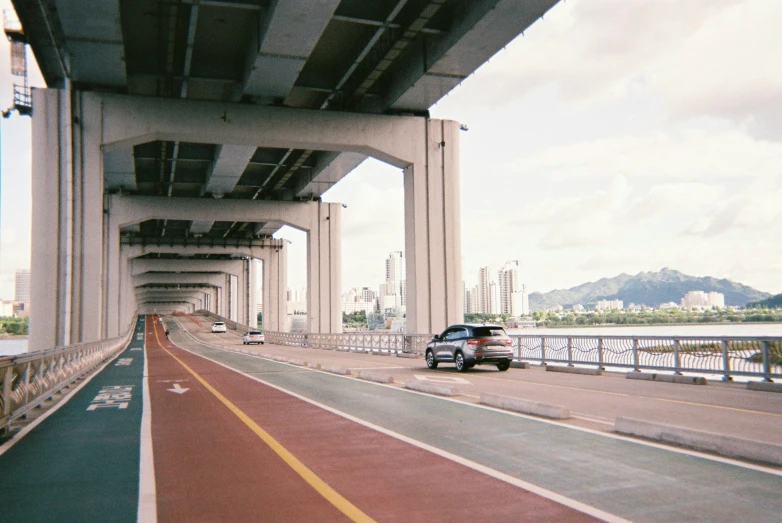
<point>252,337</point>
<point>470,344</point>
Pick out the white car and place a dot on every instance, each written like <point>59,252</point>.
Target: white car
<point>252,337</point>
<point>219,326</point>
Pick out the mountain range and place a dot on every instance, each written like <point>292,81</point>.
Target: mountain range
<point>645,288</point>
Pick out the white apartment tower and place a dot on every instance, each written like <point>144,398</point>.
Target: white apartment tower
<point>485,280</point>
<point>513,295</point>
<point>393,292</point>
<point>703,300</point>
<point>22,289</point>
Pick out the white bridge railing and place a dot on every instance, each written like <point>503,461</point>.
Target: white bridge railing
<point>725,356</point>
<point>720,355</point>
<point>27,380</point>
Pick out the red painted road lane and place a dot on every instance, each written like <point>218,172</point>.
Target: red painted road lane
<point>209,466</point>
<point>389,480</point>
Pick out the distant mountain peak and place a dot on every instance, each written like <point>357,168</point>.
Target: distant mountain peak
<point>646,288</point>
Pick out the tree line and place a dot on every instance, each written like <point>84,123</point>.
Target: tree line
<point>11,325</point>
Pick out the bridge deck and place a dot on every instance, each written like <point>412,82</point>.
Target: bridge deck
<point>238,437</point>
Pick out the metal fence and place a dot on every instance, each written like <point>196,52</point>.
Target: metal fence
<point>26,381</point>
<point>725,356</point>
<point>369,342</point>
<point>720,355</point>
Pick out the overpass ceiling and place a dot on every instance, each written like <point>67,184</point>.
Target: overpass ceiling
<point>379,56</point>
<point>177,256</point>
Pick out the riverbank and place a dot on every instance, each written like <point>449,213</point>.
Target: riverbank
<point>672,324</point>
<point>7,336</point>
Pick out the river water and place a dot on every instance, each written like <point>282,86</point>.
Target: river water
<point>731,329</point>
<point>13,346</point>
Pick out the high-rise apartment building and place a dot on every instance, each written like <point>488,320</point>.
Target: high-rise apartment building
<point>22,280</point>
<point>609,305</point>
<point>393,292</point>
<point>485,279</point>
<point>704,300</point>
<point>513,295</point>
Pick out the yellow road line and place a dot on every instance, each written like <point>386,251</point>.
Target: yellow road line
<point>323,488</point>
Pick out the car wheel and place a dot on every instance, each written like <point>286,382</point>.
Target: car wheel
<point>430,360</point>
<point>461,366</point>
<point>261,343</point>
<point>503,365</point>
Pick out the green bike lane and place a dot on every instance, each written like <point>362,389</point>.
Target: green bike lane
<point>81,463</point>
<point>630,479</point>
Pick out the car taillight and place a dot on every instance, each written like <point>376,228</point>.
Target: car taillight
<point>475,342</point>
<point>508,341</point>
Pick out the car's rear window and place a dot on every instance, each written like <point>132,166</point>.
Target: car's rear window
<point>254,333</point>
<point>488,331</point>
<point>219,323</point>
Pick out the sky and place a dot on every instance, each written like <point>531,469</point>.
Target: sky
<point>614,136</point>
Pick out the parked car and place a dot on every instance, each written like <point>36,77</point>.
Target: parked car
<point>470,344</point>
<point>252,337</point>
<point>219,326</point>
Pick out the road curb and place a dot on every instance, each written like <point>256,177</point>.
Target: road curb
<point>431,388</point>
<point>543,410</point>
<point>373,376</point>
<point>667,378</point>
<point>336,370</point>
<point>574,370</point>
<point>729,446</point>
<point>765,386</point>
<point>407,355</point>
<point>298,363</point>
<point>519,364</point>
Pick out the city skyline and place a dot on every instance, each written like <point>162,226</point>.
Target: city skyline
<point>613,137</point>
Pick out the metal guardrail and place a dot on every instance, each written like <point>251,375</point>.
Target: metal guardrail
<point>720,355</point>
<point>380,343</point>
<point>725,356</point>
<point>728,356</point>
<point>27,380</point>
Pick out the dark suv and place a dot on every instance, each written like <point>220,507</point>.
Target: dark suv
<point>470,344</point>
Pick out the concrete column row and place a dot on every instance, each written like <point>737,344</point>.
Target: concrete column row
<point>82,281</point>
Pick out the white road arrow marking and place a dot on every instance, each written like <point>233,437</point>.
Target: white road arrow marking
<point>178,389</point>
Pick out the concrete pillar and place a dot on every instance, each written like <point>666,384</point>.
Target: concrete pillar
<point>275,287</point>
<point>433,232</point>
<point>67,232</point>
<point>255,272</point>
<point>324,278</point>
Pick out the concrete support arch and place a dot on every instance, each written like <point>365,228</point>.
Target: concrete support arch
<point>78,274</point>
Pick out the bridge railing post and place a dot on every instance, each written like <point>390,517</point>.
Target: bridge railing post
<point>543,351</point>
<point>569,351</point>
<point>636,357</point>
<point>600,354</point>
<point>677,363</point>
<point>725,362</point>
<point>8,379</point>
<point>766,361</point>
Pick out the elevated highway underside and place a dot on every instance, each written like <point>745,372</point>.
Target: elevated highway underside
<point>190,429</point>
<point>205,124</point>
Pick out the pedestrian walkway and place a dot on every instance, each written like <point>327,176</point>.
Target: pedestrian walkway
<point>81,461</point>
